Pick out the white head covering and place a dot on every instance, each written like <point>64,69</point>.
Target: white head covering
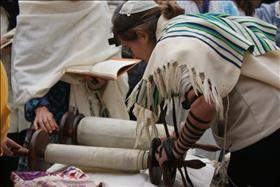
<point>132,7</point>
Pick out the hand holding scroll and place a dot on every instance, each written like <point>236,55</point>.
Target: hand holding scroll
<point>44,120</point>
<point>95,83</point>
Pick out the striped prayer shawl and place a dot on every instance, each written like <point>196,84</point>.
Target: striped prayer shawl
<point>183,58</point>
<point>229,36</point>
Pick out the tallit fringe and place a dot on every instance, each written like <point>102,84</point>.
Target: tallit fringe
<point>145,128</point>
<point>132,97</point>
<point>204,85</point>
<point>168,81</point>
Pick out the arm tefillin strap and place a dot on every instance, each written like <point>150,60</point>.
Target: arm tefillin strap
<point>186,104</point>
<point>168,146</point>
<point>198,119</point>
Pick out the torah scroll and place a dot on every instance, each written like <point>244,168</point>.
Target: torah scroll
<point>106,132</point>
<point>97,157</point>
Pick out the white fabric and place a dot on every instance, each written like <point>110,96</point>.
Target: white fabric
<point>53,35</point>
<point>88,104</point>
<point>200,178</point>
<point>253,114</point>
<point>180,50</point>
<point>203,64</point>
<point>132,7</point>
<point>264,68</point>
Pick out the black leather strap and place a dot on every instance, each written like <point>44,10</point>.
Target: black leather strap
<point>168,146</point>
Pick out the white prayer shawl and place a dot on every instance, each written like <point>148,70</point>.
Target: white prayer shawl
<point>207,72</point>
<point>112,98</point>
<point>53,35</point>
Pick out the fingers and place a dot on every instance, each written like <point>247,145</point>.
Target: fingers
<point>44,120</point>
<point>20,152</point>
<point>12,144</point>
<point>47,124</point>
<point>35,124</point>
<point>157,157</point>
<point>42,125</point>
<point>162,139</point>
<point>11,148</point>
<point>52,124</point>
<point>5,148</point>
<point>95,83</point>
<point>7,151</point>
<point>161,156</point>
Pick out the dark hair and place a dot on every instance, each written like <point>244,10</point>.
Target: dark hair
<point>12,8</point>
<point>247,6</point>
<point>125,26</point>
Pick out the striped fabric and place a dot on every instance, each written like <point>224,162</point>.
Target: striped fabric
<point>229,36</point>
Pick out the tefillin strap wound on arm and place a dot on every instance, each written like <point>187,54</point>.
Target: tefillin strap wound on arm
<point>186,104</point>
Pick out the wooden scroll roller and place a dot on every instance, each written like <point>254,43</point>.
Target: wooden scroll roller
<point>91,157</point>
<point>107,132</point>
<point>115,133</point>
<point>99,157</point>
<point>35,151</point>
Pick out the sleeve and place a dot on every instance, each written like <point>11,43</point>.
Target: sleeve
<point>31,105</point>
<point>58,98</point>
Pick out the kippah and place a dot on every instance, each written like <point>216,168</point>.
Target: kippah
<point>132,7</point>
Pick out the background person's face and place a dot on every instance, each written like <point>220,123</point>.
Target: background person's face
<point>141,48</point>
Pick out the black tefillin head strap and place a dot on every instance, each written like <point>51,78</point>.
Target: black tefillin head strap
<point>115,41</point>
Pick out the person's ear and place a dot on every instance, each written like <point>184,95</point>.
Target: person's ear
<point>143,36</point>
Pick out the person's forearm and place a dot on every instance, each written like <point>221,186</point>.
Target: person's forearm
<point>199,118</point>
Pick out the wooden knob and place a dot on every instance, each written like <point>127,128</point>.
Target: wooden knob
<point>76,123</point>
<point>66,130</point>
<point>155,172</point>
<point>39,141</point>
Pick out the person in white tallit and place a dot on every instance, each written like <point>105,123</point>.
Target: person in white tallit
<point>222,68</point>
<point>52,36</point>
<point>8,23</point>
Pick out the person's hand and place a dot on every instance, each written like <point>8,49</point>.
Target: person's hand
<point>8,147</point>
<point>166,145</point>
<point>161,156</point>
<point>173,135</point>
<point>95,83</point>
<point>44,120</point>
